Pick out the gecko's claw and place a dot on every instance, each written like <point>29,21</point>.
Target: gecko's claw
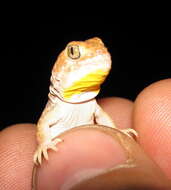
<point>43,148</point>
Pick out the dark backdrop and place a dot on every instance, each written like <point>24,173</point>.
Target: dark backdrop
<point>140,54</point>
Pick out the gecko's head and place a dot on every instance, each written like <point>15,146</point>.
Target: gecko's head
<point>80,70</point>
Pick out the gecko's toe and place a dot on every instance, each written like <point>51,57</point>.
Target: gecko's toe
<point>57,140</point>
<point>53,144</point>
<point>45,154</point>
<point>130,132</point>
<point>35,158</point>
<point>39,157</point>
<point>53,147</point>
<point>134,132</point>
<point>42,150</point>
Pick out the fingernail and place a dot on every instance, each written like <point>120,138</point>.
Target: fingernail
<point>85,153</point>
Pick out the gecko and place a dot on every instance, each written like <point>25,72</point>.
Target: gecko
<point>76,77</point>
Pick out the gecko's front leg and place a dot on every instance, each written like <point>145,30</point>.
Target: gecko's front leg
<point>101,117</point>
<point>45,141</point>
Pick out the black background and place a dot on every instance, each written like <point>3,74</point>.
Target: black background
<point>140,54</point>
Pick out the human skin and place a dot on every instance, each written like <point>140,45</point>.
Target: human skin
<point>85,152</point>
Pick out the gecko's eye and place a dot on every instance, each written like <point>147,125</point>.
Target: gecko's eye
<point>73,52</point>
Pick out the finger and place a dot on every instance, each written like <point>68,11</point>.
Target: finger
<point>152,120</point>
<point>98,158</point>
<point>119,109</point>
<point>17,145</point>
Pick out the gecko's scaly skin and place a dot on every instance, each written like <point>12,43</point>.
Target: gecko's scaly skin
<point>76,77</point>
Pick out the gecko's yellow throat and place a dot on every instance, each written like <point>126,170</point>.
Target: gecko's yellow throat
<point>89,84</point>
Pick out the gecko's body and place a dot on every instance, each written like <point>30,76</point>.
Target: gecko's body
<point>75,82</point>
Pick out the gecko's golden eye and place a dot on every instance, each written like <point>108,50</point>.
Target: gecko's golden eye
<point>73,52</point>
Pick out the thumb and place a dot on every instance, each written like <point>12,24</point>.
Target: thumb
<point>99,157</point>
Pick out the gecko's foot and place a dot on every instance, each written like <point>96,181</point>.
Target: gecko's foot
<point>43,148</point>
<point>130,132</point>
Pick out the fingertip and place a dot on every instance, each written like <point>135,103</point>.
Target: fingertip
<point>98,157</point>
<point>152,120</point>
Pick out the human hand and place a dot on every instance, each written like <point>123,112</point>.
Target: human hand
<point>92,152</point>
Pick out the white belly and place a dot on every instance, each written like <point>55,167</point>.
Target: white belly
<point>74,115</point>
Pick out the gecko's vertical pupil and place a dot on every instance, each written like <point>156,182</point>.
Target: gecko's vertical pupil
<point>73,51</point>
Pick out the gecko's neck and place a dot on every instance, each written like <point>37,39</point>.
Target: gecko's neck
<point>54,97</point>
